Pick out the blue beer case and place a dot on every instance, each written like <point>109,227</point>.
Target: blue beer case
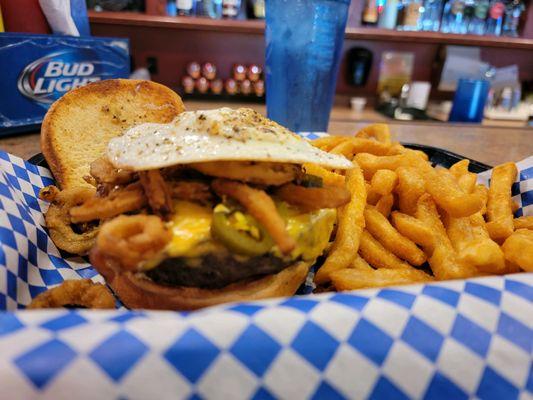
<point>36,70</point>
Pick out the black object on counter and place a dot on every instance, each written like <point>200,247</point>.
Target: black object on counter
<point>359,63</point>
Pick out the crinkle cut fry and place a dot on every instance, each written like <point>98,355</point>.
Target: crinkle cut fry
<point>442,257</point>
<point>499,208</point>
<point>351,223</point>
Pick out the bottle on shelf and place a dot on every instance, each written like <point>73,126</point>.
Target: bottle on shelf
<point>194,69</point>
<point>411,15</point>
<point>199,8</point>
<point>495,18</point>
<point>188,84</point>
<point>259,88</point>
<point>212,8</point>
<point>457,22</point>
<point>209,71</point>
<point>370,13</point>
<point>446,17</point>
<point>431,16</point>
<point>217,86</point>
<point>389,15</point>
<point>254,72</point>
<point>230,8</point>
<point>513,11</point>
<point>171,8</point>
<point>185,7</point>
<point>468,15</point>
<point>477,23</point>
<point>256,9</point>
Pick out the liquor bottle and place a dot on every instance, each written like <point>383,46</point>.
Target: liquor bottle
<point>185,7</point>
<point>513,10</point>
<point>370,13</point>
<point>457,23</point>
<point>230,8</point>
<point>411,15</point>
<point>171,8</point>
<point>468,15</point>
<point>446,17</point>
<point>477,24</point>
<point>213,8</point>
<point>430,18</point>
<point>389,15</point>
<point>199,7</point>
<point>495,19</point>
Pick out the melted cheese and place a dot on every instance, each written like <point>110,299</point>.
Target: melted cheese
<point>311,232</point>
<point>191,226</point>
<point>191,232</point>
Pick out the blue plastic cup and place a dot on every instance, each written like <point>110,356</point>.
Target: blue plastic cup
<point>469,100</point>
<point>303,47</point>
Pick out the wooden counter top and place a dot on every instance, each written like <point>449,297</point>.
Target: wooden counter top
<point>490,145</point>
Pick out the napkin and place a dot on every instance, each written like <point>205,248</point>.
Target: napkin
<point>454,339</point>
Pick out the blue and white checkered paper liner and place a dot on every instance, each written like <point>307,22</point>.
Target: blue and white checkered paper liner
<point>456,339</point>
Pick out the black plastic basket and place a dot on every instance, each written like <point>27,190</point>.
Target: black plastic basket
<point>437,156</point>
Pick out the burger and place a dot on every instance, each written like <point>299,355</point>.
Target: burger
<point>216,206</point>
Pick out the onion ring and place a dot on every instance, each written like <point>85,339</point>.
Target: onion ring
<point>192,191</point>
<point>262,173</point>
<point>130,198</point>
<point>132,239</point>
<point>59,223</point>
<point>313,198</point>
<point>75,292</point>
<point>157,192</point>
<point>48,193</point>
<point>104,172</point>
<point>260,206</point>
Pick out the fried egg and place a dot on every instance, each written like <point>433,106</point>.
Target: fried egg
<point>215,135</point>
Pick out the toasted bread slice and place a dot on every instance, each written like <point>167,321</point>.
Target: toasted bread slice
<point>78,126</point>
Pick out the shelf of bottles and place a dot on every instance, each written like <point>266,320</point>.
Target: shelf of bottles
<point>217,9</point>
<point>474,17</point>
<point>460,22</point>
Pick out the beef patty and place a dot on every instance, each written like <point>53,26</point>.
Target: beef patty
<point>214,271</point>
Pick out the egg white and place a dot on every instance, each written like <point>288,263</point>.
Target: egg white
<point>215,135</point>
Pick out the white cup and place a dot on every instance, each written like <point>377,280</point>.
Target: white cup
<point>358,104</point>
<point>418,95</point>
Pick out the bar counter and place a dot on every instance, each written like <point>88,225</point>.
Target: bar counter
<point>488,144</point>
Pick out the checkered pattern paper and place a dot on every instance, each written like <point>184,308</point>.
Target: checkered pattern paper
<point>448,340</point>
<point>29,261</point>
<point>522,189</point>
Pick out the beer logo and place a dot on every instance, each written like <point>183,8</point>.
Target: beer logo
<point>48,78</point>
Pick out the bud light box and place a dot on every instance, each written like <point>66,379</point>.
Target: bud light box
<point>36,70</point>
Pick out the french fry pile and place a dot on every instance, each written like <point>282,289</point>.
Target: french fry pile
<point>405,215</point>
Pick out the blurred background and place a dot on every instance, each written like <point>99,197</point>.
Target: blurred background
<point>401,59</point>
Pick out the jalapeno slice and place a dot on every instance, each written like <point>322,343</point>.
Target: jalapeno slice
<point>238,241</point>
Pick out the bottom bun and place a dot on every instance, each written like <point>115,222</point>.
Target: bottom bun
<point>136,291</point>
